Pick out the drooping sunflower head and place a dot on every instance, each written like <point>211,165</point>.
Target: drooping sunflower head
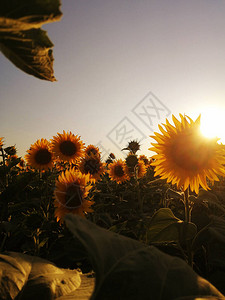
<point>67,147</point>
<point>70,195</point>
<point>91,151</point>
<point>116,171</point>
<point>131,161</point>
<point>133,147</point>
<point>92,166</point>
<point>184,157</point>
<point>39,156</point>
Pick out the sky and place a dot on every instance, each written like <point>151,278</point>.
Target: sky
<point>122,67</point>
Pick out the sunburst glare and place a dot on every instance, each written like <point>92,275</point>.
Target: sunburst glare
<point>213,123</point>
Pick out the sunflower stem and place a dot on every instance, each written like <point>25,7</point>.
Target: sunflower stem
<point>187,220</point>
<point>4,168</point>
<point>186,206</point>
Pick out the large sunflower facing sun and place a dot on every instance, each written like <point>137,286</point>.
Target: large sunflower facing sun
<point>39,156</point>
<point>70,194</point>
<point>184,157</point>
<point>67,147</point>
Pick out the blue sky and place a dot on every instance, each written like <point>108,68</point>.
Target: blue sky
<point>115,60</point>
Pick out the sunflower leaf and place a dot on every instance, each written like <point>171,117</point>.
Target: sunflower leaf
<point>175,194</point>
<point>127,269</point>
<point>165,227</point>
<point>21,39</point>
<point>27,277</point>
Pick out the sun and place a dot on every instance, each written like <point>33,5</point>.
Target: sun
<point>213,123</point>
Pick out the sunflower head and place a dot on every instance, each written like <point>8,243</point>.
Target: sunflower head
<point>144,159</point>
<point>91,151</point>
<point>131,161</point>
<point>39,156</point>
<point>116,171</point>
<point>133,147</point>
<point>21,164</point>
<point>92,166</point>
<point>138,171</point>
<point>67,147</point>
<point>70,195</point>
<point>184,157</point>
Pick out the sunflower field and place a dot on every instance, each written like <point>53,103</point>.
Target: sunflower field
<point>63,204</point>
<point>73,226</point>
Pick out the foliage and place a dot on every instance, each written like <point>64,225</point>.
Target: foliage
<point>28,277</point>
<point>128,269</point>
<point>22,40</point>
<point>146,211</point>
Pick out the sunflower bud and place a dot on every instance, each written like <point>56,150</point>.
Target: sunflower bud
<point>133,147</point>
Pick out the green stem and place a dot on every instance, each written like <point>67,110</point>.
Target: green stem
<point>186,206</point>
<point>140,200</point>
<point>4,167</point>
<point>187,221</point>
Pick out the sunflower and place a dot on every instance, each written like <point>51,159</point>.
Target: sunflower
<point>40,156</point>
<point>133,147</point>
<point>93,166</point>
<point>11,159</point>
<point>184,157</point>
<point>138,170</point>
<point>91,150</point>
<point>70,194</point>
<point>67,147</point>
<point>21,164</point>
<point>144,159</point>
<point>116,171</point>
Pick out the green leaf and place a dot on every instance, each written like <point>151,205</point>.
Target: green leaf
<point>174,194</point>
<point>213,236</point>
<point>27,277</point>
<point>211,198</point>
<point>165,227</point>
<point>127,269</point>
<point>21,39</point>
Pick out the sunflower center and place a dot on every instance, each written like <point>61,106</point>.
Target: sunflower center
<point>68,148</point>
<point>190,152</point>
<point>91,166</point>
<point>118,171</point>
<point>73,196</point>
<point>92,151</point>
<point>43,157</point>
<point>131,160</point>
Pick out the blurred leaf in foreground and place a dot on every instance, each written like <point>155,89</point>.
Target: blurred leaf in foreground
<point>128,269</point>
<point>22,40</point>
<point>29,277</point>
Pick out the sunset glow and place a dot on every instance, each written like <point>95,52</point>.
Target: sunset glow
<point>213,123</point>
